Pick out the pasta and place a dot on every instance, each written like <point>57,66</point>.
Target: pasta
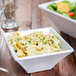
<point>34,44</point>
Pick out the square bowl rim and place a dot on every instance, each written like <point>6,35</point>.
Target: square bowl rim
<point>41,55</point>
<point>41,6</point>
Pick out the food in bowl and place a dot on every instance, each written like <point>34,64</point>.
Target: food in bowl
<point>40,62</point>
<point>65,8</point>
<point>34,43</point>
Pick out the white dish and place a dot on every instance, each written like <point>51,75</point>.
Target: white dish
<point>41,62</point>
<point>65,24</point>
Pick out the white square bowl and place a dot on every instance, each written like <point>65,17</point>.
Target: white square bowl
<point>65,24</point>
<point>44,61</point>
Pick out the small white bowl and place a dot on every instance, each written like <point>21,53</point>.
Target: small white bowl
<point>44,61</point>
<point>65,24</point>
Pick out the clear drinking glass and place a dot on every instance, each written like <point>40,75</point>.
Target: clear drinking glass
<point>9,14</point>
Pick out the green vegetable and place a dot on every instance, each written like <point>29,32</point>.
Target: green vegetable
<point>62,13</point>
<point>74,16</point>
<point>65,14</point>
<point>70,4</point>
<point>66,1</point>
<point>59,12</point>
<point>52,6</point>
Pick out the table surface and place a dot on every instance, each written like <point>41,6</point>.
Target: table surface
<point>29,16</point>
